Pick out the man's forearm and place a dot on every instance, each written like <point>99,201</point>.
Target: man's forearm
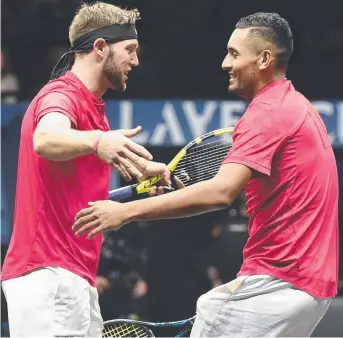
<point>64,145</point>
<point>194,200</point>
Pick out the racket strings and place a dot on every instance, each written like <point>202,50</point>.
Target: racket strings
<point>204,147</point>
<point>192,165</point>
<point>206,175</point>
<point>191,176</point>
<point>207,149</point>
<point>187,174</point>
<point>125,330</point>
<point>202,162</point>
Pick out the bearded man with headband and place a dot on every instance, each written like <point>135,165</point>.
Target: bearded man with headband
<point>66,153</point>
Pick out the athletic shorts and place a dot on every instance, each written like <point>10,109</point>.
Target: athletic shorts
<point>258,306</point>
<point>52,302</point>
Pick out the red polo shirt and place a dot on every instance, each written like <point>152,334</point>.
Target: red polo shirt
<point>49,194</point>
<point>292,198</point>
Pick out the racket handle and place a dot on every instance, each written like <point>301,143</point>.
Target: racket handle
<point>120,194</point>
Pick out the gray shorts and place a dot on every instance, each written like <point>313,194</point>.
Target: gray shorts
<point>257,306</point>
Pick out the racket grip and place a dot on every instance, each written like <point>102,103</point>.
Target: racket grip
<point>120,194</point>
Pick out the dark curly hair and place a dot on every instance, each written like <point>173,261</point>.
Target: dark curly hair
<point>274,29</point>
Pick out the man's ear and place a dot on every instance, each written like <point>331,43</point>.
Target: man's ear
<point>98,46</point>
<point>265,59</point>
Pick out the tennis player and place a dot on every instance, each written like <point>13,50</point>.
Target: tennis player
<point>66,153</point>
<point>283,158</point>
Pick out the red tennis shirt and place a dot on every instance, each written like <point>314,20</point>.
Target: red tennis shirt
<point>49,194</point>
<point>292,198</point>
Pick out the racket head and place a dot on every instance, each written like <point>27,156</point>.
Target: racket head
<point>198,161</point>
<point>201,159</point>
<point>135,328</point>
<point>125,328</point>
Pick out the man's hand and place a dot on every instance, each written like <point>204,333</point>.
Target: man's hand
<point>126,156</point>
<point>100,216</point>
<point>102,284</point>
<point>165,183</point>
<point>123,154</point>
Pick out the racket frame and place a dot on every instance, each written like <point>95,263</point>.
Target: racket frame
<point>145,185</point>
<point>148,325</point>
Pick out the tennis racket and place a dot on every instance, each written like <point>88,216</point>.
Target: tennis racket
<point>198,161</point>
<point>135,328</point>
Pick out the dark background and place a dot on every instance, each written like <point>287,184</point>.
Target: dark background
<point>183,43</point>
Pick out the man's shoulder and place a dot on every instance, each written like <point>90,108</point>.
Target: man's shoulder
<point>57,94</point>
<point>284,105</point>
<point>58,86</point>
<point>266,116</point>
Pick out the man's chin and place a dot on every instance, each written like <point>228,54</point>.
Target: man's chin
<point>232,89</point>
<point>235,91</point>
<point>119,87</point>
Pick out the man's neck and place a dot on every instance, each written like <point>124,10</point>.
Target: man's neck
<point>264,83</point>
<point>91,79</point>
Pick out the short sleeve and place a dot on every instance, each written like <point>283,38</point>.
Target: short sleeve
<point>55,102</point>
<point>256,139</point>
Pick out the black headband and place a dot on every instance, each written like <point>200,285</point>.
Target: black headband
<point>110,34</point>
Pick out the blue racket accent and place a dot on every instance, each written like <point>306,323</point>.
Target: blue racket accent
<point>134,328</point>
<point>120,194</point>
<point>162,324</point>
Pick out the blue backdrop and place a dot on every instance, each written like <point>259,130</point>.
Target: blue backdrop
<point>177,122</point>
<point>165,123</point>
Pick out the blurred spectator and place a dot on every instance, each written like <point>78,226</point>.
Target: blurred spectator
<point>9,81</point>
<point>214,276</point>
<point>120,281</point>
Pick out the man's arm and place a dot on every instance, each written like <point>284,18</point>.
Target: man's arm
<point>217,193</point>
<point>55,140</point>
<point>214,194</point>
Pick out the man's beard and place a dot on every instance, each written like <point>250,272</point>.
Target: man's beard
<point>113,74</point>
<point>245,84</point>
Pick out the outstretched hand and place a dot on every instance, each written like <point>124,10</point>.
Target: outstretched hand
<point>107,215</point>
<point>165,185</point>
<point>99,217</point>
<point>127,157</point>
